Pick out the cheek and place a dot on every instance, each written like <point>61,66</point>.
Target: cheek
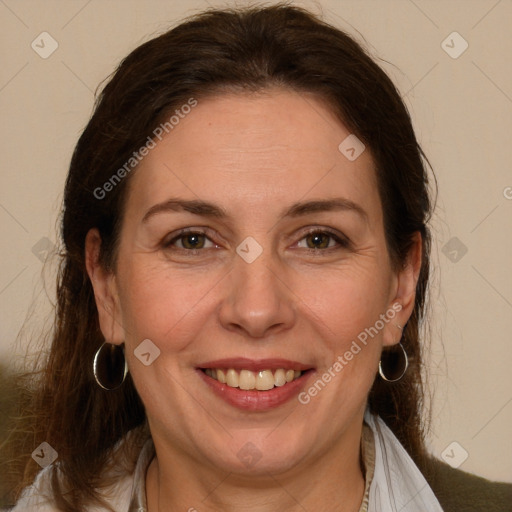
<point>345,308</point>
<point>164,306</point>
<point>345,301</point>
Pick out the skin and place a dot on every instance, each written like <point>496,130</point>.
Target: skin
<point>253,156</point>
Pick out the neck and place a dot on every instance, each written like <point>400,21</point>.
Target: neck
<point>331,481</point>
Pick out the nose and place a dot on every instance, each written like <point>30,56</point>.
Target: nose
<point>258,302</point>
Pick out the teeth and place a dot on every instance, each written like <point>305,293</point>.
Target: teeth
<point>280,377</point>
<point>265,380</point>
<point>232,378</point>
<point>249,380</point>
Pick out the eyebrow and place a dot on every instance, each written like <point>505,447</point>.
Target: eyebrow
<point>207,209</point>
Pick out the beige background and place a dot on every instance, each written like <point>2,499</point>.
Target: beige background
<point>462,110</point>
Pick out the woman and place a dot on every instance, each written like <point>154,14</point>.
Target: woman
<point>244,277</point>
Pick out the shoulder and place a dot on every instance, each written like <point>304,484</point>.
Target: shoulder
<point>459,491</point>
<point>38,497</point>
<point>118,479</point>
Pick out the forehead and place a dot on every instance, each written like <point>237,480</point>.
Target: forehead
<point>254,150</point>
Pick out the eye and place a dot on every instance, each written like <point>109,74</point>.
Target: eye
<point>321,239</point>
<point>192,240</point>
<point>189,240</point>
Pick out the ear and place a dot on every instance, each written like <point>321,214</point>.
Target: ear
<point>105,290</point>
<point>404,292</point>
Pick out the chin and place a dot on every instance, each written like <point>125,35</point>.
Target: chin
<point>256,453</point>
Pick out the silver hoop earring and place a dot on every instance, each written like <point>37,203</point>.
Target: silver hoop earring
<point>406,365</point>
<point>109,366</point>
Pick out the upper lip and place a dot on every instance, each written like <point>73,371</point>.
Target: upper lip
<point>255,365</point>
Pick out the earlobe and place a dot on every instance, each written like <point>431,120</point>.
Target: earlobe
<point>105,290</point>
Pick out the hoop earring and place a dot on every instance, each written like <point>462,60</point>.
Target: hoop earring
<point>406,365</point>
<point>109,366</point>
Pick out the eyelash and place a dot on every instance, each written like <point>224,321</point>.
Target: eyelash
<point>342,241</point>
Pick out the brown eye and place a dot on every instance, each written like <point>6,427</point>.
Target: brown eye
<point>189,241</point>
<point>318,239</point>
<point>192,241</point>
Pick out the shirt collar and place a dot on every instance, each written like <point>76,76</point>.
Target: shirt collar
<point>138,502</point>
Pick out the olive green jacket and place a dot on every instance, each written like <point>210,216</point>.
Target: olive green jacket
<point>458,491</point>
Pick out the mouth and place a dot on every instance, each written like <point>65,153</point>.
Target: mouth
<point>245,379</point>
<point>255,385</point>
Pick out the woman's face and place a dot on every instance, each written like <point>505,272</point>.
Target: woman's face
<point>283,269</point>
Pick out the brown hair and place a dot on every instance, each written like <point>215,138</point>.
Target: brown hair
<point>216,51</point>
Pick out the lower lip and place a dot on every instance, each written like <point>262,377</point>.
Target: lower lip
<point>252,400</point>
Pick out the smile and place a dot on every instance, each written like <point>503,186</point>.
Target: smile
<point>262,380</point>
<point>255,385</point>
